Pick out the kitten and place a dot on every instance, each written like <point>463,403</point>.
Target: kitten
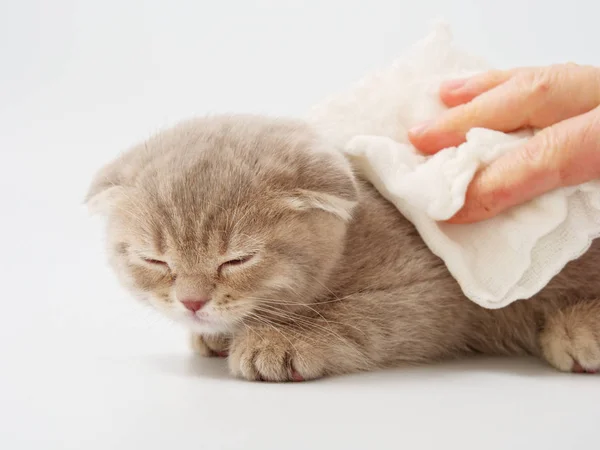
<point>258,236</point>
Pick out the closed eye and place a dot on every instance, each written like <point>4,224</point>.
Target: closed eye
<point>235,262</point>
<point>156,262</point>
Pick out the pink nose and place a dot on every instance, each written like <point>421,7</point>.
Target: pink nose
<point>194,304</point>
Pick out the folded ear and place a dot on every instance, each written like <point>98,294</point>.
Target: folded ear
<point>338,206</point>
<point>325,183</point>
<point>107,187</point>
<point>111,182</point>
<point>102,201</point>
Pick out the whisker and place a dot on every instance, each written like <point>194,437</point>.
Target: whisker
<point>301,321</point>
<point>267,302</point>
<point>298,354</point>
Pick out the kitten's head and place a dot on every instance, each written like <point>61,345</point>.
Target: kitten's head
<point>226,220</point>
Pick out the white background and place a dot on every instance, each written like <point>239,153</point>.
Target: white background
<point>82,366</point>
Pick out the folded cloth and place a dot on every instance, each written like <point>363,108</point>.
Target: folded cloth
<point>496,262</point>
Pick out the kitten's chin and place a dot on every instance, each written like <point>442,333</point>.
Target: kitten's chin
<point>204,326</point>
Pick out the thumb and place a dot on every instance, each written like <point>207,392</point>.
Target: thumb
<point>565,154</point>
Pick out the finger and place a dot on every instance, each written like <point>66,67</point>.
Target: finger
<point>458,92</point>
<point>502,109</point>
<point>566,154</point>
<point>531,98</point>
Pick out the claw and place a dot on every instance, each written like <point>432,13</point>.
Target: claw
<point>578,368</point>
<point>296,376</point>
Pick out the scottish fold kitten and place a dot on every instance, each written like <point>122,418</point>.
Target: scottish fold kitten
<point>257,235</point>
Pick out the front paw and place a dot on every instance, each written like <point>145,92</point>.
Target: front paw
<point>571,340</point>
<point>210,345</point>
<point>266,354</point>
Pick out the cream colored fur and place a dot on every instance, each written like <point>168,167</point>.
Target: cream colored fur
<point>333,280</point>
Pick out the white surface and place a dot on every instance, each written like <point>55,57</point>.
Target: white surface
<point>496,262</point>
<point>83,367</point>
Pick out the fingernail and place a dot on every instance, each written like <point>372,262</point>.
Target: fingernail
<point>461,217</point>
<point>454,85</point>
<point>420,128</point>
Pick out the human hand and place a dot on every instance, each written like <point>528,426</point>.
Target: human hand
<point>562,100</point>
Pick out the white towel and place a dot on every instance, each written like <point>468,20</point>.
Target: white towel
<point>506,258</point>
